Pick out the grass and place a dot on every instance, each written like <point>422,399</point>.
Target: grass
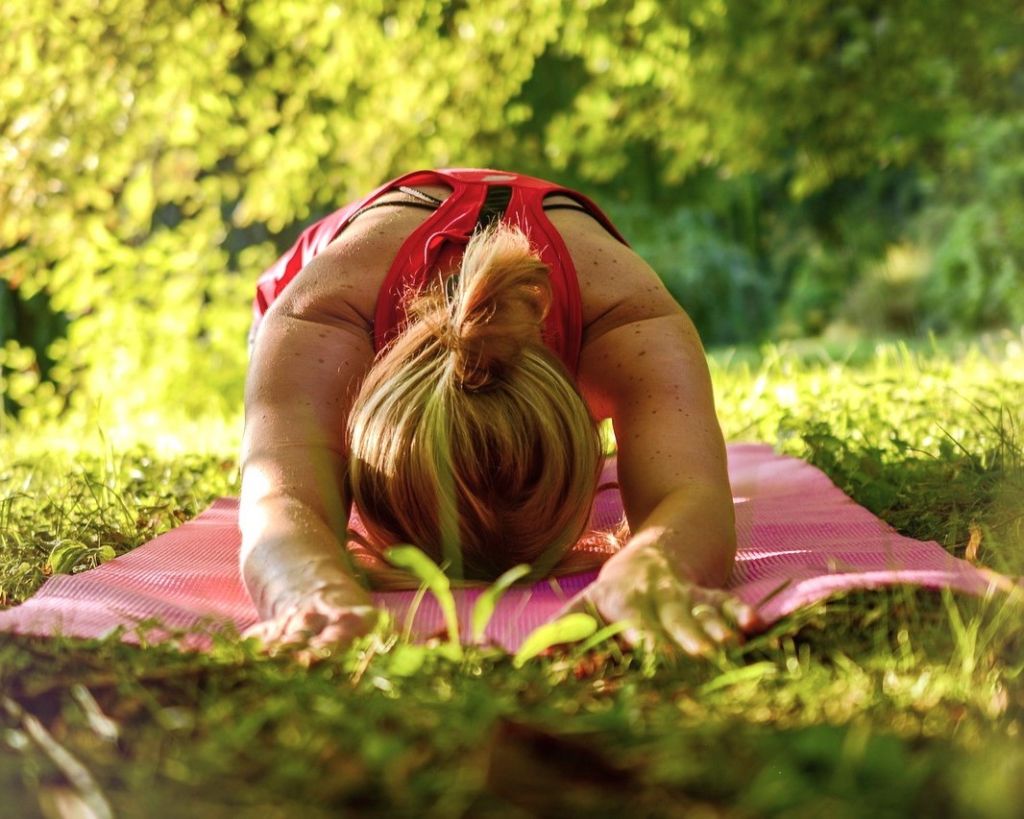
<point>891,703</point>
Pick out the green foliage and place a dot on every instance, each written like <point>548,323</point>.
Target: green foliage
<point>488,600</point>
<point>103,505</point>
<point>434,579</point>
<point>157,155</point>
<point>114,120</point>
<point>977,273</point>
<point>569,629</point>
<point>924,436</point>
<point>862,732</point>
<point>729,296</point>
<point>572,628</point>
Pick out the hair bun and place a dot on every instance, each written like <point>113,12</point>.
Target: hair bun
<point>494,307</point>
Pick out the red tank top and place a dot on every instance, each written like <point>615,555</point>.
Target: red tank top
<point>438,243</point>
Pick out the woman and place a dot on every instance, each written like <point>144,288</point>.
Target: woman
<point>438,353</point>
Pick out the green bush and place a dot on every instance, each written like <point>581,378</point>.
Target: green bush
<point>155,155</point>
<point>977,231</point>
<point>717,281</point>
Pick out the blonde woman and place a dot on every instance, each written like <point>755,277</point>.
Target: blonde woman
<point>439,354</point>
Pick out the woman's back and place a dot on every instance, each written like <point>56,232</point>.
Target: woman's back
<point>615,286</point>
<point>638,361</point>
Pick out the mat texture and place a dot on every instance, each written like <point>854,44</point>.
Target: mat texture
<point>800,540</point>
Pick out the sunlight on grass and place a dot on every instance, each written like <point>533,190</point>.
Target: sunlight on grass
<point>900,701</point>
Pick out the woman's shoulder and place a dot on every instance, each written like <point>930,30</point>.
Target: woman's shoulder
<point>352,268</point>
<point>617,286</point>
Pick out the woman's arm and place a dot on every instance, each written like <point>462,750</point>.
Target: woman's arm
<point>647,371</point>
<point>309,355</point>
<point>650,376</point>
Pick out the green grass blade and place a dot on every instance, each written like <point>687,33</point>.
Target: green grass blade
<point>601,635</point>
<point>487,602</point>
<point>569,629</point>
<point>430,574</point>
<point>410,617</point>
<point>748,673</point>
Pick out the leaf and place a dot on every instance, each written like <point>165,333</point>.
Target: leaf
<point>430,574</point>
<point>406,660</point>
<point>64,558</point>
<point>756,671</point>
<point>138,197</point>
<point>569,629</point>
<point>601,635</point>
<point>971,554</point>
<point>485,605</point>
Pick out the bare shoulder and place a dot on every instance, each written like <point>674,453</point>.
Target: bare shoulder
<point>630,320</point>
<point>617,286</point>
<point>315,343</point>
<point>344,279</point>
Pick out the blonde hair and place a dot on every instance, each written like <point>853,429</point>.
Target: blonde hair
<point>468,438</point>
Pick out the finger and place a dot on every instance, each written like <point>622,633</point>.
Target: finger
<point>257,630</point>
<point>629,638</point>
<point>633,638</point>
<point>299,624</point>
<point>332,599</point>
<point>342,633</point>
<point>345,625</point>
<point>684,629</point>
<point>714,625</point>
<point>364,614</point>
<point>309,620</point>
<point>270,630</point>
<point>293,636</point>
<point>728,605</point>
<point>334,636</point>
<point>744,616</point>
<point>307,628</point>
<point>356,621</point>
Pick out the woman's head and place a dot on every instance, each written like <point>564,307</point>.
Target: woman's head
<point>468,438</point>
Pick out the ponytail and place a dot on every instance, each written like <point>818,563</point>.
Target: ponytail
<point>468,438</point>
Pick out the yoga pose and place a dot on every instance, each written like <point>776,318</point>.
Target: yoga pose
<point>439,354</point>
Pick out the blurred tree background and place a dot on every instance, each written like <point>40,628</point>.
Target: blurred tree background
<point>789,168</point>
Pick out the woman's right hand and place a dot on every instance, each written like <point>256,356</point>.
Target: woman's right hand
<point>639,585</point>
<point>317,621</point>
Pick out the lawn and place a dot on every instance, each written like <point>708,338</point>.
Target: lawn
<point>891,703</point>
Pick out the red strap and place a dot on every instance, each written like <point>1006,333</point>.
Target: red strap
<point>436,247</point>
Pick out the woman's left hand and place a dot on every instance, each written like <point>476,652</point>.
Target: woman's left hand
<point>312,624</point>
<point>640,585</point>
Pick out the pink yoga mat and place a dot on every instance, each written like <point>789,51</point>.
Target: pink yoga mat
<point>800,540</point>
